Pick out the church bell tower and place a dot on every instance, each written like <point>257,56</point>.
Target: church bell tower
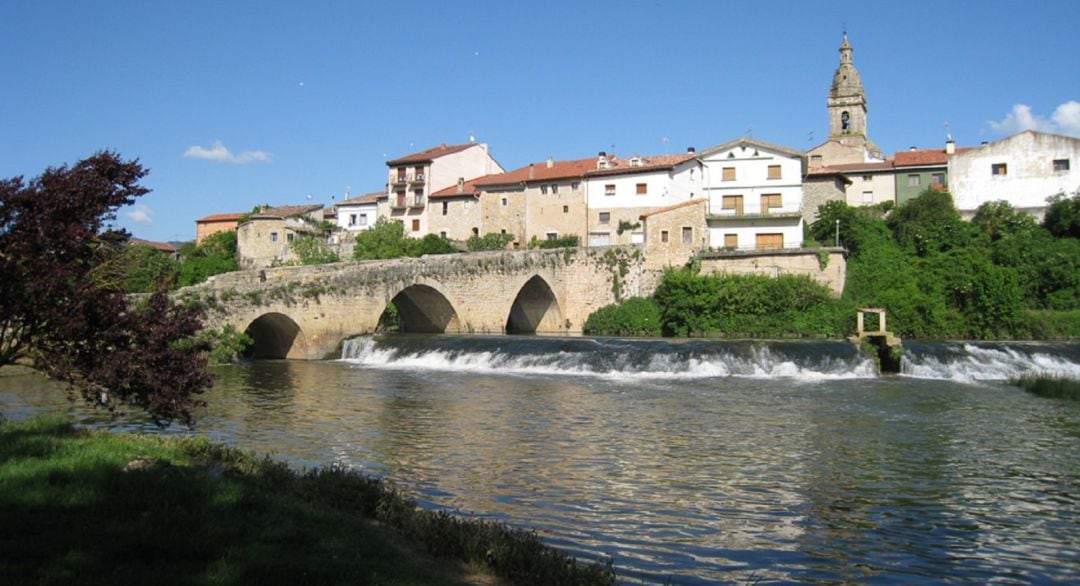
<point>847,101</point>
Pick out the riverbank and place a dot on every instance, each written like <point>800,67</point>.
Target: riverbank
<point>105,508</point>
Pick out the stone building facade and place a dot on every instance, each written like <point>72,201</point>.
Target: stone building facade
<point>849,139</point>
<point>264,239</point>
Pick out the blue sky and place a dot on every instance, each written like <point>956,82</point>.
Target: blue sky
<point>234,104</point>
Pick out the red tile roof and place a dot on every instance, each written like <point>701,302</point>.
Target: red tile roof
<point>219,218</point>
<point>426,156</point>
<point>366,198</point>
<point>852,168</point>
<point>468,189</point>
<point>581,168</point>
<point>684,204</point>
<point>161,246</point>
<point>924,157</point>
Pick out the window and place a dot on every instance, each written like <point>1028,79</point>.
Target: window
<point>599,239</point>
<point>401,174</point>
<point>574,186</point>
<point>543,189</point>
<point>999,169</point>
<point>768,241</point>
<point>732,202</point>
<point>642,188</point>
<point>475,231</point>
<point>442,233</point>
<point>663,236</point>
<point>609,189</point>
<point>273,237</point>
<point>774,172</point>
<point>868,197</point>
<point>289,237</point>
<point>401,199</point>
<point>466,204</point>
<point>687,235</point>
<point>419,172</point>
<point>937,179</point>
<point>815,160</point>
<point>914,180</point>
<point>731,240</point>
<point>729,174</point>
<point>554,188</point>
<point>445,207</point>
<point>867,177</point>
<point>416,225</point>
<point>418,197</point>
<point>566,209</point>
<point>362,220</point>
<point>551,235</point>
<point>352,219</point>
<point>605,217</point>
<point>1061,165</point>
<point>770,201</point>
<point>505,201</point>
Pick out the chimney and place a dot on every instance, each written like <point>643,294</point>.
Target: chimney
<point>950,147</point>
<point>443,146</point>
<point>461,185</point>
<point>532,170</point>
<point>691,150</point>
<point>550,163</point>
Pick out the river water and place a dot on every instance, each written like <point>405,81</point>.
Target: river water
<point>688,462</point>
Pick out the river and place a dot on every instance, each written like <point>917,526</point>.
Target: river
<point>688,462</point>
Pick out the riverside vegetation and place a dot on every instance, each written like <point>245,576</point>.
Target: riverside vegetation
<point>999,276</point>
<point>105,508</point>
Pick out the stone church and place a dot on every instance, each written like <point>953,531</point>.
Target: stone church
<point>848,140</point>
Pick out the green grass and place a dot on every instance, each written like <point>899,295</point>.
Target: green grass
<point>200,513</point>
<point>1057,387</point>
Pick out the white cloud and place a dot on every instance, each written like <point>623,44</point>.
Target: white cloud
<point>1064,120</point>
<point>220,153</point>
<point>141,214</point>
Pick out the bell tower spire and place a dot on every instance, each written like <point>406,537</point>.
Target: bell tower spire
<point>847,101</point>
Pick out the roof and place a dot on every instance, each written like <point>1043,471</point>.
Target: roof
<point>362,199</point>
<point>853,168</point>
<point>426,156</point>
<point>754,143</point>
<point>287,211</point>
<point>684,204</point>
<point>918,158</point>
<point>582,168</point>
<point>469,189</point>
<point>161,246</point>
<point>220,218</point>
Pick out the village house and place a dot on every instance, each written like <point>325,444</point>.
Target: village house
<point>1024,169</point>
<point>413,178</point>
<point>754,190</point>
<point>619,191</point>
<point>212,224</point>
<point>864,184</point>
<point>455,211</point>
<point>356,214</point>
<point>917,170</point>
<point>264,238</point>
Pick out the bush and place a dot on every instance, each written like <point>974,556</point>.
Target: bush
<point>214,256</point>
<point>489,241</point>
<point>313,251</point>
<point>571,241</point>
<point>386,239</point>
<point>146,267</point>
<point>637,316</point>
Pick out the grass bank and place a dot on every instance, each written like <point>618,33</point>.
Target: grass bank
<point>86,507</point>
<point>1056,387</point>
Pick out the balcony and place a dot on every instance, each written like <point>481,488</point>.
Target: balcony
<point>399,203</point>
<point>399,179</point>
<point>417,179</point>
<point>417,202</point>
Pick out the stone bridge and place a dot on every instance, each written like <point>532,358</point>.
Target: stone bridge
<point>306,312</point>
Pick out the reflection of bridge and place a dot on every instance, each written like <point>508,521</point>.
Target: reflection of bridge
<point>305,312</point>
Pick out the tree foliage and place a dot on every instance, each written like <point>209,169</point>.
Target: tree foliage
<point>386,239</point>
<point>313,251</point>
<point>928,224</point>
<point>637,316</point>
<point>57,311</point>
<point>215,255</point>
<point>489,241</point>
<point>146,268</point>
<point>1062,217</point>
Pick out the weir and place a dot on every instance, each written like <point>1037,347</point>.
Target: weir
<point>888,347</point>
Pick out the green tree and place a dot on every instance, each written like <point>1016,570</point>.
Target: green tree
<point>489,241</point>
<point>386,239</point>
<point>313,251</point>
<point>145,268</point>
<point>1062,216</point>
<point>215,255</point>
<point>430,244</point>
<point>859,227</point>
<point>929,223</point>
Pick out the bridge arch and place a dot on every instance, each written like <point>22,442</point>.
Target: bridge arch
<point>423,309</point>
<point>535,309</point>
<point>276,335</point>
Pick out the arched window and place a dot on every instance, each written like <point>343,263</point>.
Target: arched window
<point>845,121</point>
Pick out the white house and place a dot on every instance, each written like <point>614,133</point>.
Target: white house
<point>755,195</point>
<point>1024,169</point>
<point>619,191</point>
<point>358,213</point>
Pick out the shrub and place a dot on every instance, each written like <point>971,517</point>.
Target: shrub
<point>489,241</point>
<point>571,241</point>
<point>637,316</point>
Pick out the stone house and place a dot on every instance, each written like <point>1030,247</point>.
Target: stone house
<point>1024,169</point>
<point>755,195</point>
<point>867,183</point>
<point>413,178</point>
<point>264,238</point>
<point>212,224</point>
<point>454,212</point>
<point>619,191</point>
<point>673,234</point>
